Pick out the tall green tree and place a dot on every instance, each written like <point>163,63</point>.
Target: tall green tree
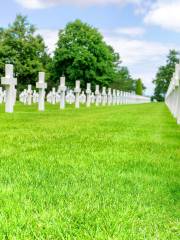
<point>139,87</point>
<point>164,75</point>
<point>82,54</point>
<point>20,46</point>
<point>123,80</point>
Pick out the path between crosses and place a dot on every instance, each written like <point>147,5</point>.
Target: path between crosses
<point>98,173</point>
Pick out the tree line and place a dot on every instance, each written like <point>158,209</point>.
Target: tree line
<point>81,53</point>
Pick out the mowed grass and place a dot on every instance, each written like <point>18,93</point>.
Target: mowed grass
<point>97,173</point>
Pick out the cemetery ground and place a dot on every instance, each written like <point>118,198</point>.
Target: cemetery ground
<point>97,173</point>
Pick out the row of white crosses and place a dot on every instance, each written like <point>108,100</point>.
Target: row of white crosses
<point>172,98</point>
<point>28,96</point>
<point>77,97</point>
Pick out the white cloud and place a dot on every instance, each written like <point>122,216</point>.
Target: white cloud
<point>142,57</point>
<point>35,4</point>
<point>165,13</point>
<point>50,37</point>
<point>130,31</point>
<point>135,51</point>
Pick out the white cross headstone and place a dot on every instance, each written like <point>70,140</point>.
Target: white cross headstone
<point>53,95</point>
<point>41,85</point>
<point>34,96</point>
<point>9,81</point>
<point>92,98</point>
<point>62,89</point>
<point>109,96</point>
<point>97,93</point>
<point>114,97</point>
<point>49,97</point>
<point>77,91</point>
<point>70,98</point>
<point>25,97</point>
<point>21,96</point>
<point>29,93</point>
<point>118,97</point>
<point>125,97</point>
<point>104,96</point>
<point>88,93</point>
<point>122,97</point>
<point>82,98</point>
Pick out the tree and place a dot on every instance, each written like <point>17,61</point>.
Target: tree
<point>139,87</point>
<point>82,54</point>
<point>123,80</point>
<point>20,46</point>
<point>164,75</point>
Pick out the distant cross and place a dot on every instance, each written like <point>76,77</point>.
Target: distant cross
<point>53,94</point>
<point>104,96</point>
<point>41,85</point>
<point>118,95</point>
<point>29,94</point>
<point>88,93</point>
<point>62,89</point>
<point>109,96</point>
<point>77,91</point>
<point>114,97</point>
<point>82,98</point>
<point>97,93</point>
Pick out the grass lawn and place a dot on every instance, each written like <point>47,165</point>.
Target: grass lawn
<point>97,173</point>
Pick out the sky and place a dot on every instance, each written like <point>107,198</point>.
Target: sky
<point>141,31</point>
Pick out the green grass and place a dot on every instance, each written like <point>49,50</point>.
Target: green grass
<point>98,173</point>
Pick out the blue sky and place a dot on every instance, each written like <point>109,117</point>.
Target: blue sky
<point>142,31</point>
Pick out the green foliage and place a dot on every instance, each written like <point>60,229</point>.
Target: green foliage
<point>164,75</point>
<point>82,54</point>
<point>99,173</point>
<point>20,46</point>
<point>139,87</point>
<point>123,80</point>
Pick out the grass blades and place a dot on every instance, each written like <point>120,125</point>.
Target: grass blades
<point>97,173</point>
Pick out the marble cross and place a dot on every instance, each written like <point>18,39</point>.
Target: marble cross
<point>104,96</point>
<point>93,98</point>
<point>82,98</point>
<point>53,96</point>
<point>9,81</point>
<point>29,93</point>
<point>77,91</point>
<point>109,96</point>
<point>41,85</point>
<point>97,93</point>
<point>114,97</point>
<point>70,98</point>
<point>62,89</point>
<point>118,99</point>
<point>88,93</point>
<point>34,96</point>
